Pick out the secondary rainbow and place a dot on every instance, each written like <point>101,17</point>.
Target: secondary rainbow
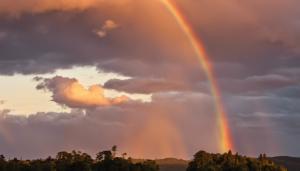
<point>225,135</point>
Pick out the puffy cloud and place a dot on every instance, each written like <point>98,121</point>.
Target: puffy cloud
<point>130,126</point>
<point>70,92</point>
<point>107,27</point>
<point>167,124</point>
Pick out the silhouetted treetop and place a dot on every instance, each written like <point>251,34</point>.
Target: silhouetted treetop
<point>204,161</point>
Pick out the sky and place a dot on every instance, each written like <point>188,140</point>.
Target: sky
<point>90,74</point>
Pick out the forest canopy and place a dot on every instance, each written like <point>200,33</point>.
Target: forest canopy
<point>204,161</point>
<point>109,161</point>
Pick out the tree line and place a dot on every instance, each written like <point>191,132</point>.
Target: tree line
<point>204,161</point>
<point>109,161</point>
<point>78,161</point>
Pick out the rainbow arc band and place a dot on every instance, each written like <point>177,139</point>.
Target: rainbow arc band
<point>225,134</point>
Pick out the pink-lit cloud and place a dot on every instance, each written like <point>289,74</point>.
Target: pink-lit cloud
<point>108,26</point>
<point>70,92</point>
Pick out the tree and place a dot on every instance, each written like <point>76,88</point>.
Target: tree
<point>114,151</point>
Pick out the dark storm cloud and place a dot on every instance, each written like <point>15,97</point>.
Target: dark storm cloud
<point>289,92</point>
<point>253,131</point>
<point>271,118</point>
<point>242,43</point>
<point>249,33</point>
<point>52,132</point>
<point>258,85</point>
<point>41,44</point>
<point>144,86</point>
<point>95,129</point>
<point>44,42</point>
<point>278,130</point>
<point>253,85</point>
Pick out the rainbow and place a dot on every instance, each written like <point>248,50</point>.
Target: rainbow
<point>225,136</point>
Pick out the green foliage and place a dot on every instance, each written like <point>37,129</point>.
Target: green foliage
<point>78,161</point>
<point>228,162</point>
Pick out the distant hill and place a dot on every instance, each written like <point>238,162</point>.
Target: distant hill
<point>168,164</point>
<point>291,163</point>
<point>172,164</point>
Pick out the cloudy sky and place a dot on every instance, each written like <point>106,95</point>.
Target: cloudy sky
<point>89,74</point>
